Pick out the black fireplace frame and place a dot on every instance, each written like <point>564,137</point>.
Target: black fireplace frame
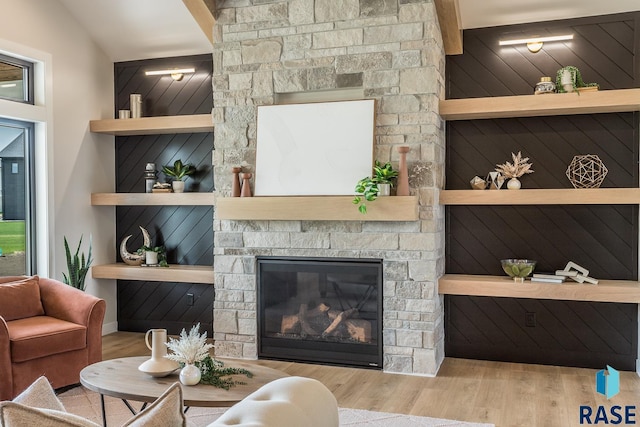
<point>369,356</point>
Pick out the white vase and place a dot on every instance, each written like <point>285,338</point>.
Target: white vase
<point>513,184</point>
<point>178,186</point>
<point>151,257</point>
<point>566,80</point>
<point>190,375</point>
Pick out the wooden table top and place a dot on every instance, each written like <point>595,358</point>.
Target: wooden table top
<point>121,378</point>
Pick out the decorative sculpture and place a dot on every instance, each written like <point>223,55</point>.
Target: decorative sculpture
<point>134,259</point>
<point>586,171</point>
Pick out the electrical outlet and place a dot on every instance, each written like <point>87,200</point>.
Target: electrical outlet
<point>530,319</point>
<point>190,299</point>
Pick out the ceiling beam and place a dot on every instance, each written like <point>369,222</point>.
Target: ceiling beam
<point>203,12</point>
<point>449,18</point>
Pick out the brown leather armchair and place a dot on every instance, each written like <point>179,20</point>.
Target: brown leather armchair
<point>46,328</point>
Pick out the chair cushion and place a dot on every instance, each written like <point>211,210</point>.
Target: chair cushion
<point>41,336</point>
<point>20,299</point>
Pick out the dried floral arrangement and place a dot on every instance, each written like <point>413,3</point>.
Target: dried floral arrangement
<point>192,348</point>
<point>189,349</point>
<point>519,167</point>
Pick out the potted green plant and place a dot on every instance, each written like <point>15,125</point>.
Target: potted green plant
<point>569,79</point>
<point>369,188</point>
<point>77,265</point>
<point>178,171</point>
<point>154,255</point>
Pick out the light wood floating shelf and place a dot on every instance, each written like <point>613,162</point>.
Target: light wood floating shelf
<point>154,125</point>
<point>565,196</point>
<point>621,291</point>
<point>605,101</point>
<point>173,273</point>
<point>316,208</point>
<point>153,199</point>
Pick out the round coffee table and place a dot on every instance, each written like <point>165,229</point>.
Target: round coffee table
<point>121,378</point>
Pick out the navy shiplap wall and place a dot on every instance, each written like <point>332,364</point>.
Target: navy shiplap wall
<point>604,239</point>
<point>186,231</point>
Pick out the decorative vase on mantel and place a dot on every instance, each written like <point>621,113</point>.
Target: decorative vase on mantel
<point>235,181</point>
<point>190,374</point>
<point>403,173</point>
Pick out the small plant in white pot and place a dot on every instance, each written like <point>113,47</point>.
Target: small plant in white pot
<point>154,255</point>
<point>178,171</point>
<point>369,188</point>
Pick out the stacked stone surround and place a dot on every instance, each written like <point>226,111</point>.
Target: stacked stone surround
<point>392,51</point>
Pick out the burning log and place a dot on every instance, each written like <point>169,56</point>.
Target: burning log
<point>338,320</point>
<point>359,329</point>
<point>298,323</point>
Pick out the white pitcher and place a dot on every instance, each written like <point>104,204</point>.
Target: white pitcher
<point>158,345</point>
<point>158,365</point>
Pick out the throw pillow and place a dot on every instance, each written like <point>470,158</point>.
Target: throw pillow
<point>16,415</point>
<point>40,394</point>
<point>20,299</point>
<point>166,410</point>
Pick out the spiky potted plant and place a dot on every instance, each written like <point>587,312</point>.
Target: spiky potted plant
<point>77,265</point>
<point>178,171</point>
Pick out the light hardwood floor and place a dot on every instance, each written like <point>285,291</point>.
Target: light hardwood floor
<point>505,394</point>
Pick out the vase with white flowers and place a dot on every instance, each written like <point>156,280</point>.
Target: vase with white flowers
<point>189,350</point>
<point>515,170</point>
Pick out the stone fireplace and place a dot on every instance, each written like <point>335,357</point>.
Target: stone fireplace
<point>392,52</point>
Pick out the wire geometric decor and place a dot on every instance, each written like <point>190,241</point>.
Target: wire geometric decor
<point>586,171</point>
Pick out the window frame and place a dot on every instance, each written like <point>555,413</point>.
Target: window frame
<point>27,78</point>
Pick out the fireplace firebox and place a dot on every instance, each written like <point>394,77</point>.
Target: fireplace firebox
<point>322,310</point>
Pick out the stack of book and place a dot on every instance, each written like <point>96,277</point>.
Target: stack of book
<point>571,271</point>
<point>547,278</point>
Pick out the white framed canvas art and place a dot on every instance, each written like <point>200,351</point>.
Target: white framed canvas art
<point>319,149</point>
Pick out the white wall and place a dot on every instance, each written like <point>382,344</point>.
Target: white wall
<point>74,162</point>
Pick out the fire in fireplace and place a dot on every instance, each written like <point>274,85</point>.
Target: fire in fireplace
<point>323,310</point>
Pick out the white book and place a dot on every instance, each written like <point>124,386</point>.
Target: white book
<point>548,276</point>
<point>570,273</point>
<point>546,280</point>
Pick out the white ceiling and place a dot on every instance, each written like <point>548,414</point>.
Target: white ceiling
<point>142,29</point>
<point>128,30</point>
<point>492,13</point>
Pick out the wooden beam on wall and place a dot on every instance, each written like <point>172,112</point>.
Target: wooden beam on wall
<point>203,12</point>
<point>449,18</point>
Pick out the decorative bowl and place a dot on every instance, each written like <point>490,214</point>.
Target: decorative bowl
<point>518,269</point>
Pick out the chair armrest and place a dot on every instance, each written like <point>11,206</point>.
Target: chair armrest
<point>6,385</point>
<point>68,303</point>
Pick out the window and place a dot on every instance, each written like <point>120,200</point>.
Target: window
<point>17,255</point>
<point>16,79</point>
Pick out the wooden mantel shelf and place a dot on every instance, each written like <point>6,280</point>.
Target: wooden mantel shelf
<point>621,291</point>
<point>153,199</point>
<point>173,273</point>
<point>316,208</point>
<point>154,125</point>
<point>604,101</point>
<point>557,196</point>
